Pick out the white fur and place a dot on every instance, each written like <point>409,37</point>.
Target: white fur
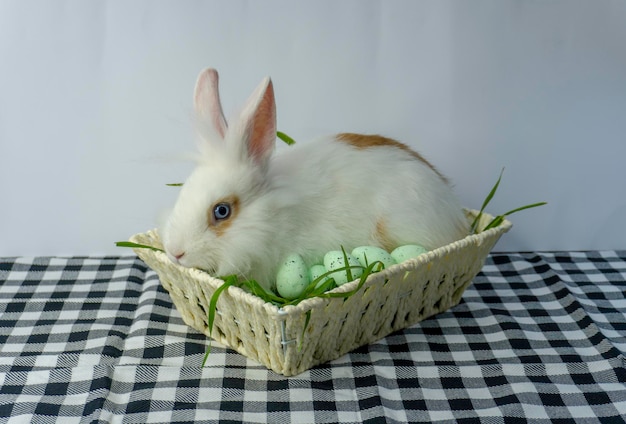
<point>308,199</point>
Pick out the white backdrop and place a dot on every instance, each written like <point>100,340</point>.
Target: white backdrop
<point>95,105</point>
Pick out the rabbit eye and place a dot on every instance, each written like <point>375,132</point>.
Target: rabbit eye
<point>221,215</point>
<point>221,211</point>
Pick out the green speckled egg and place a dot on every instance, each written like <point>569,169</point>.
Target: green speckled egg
<point>292,277</point>
<point>373,254</point>
<point>316,271</point>
<point>334,260</point>
<point>407,251</point>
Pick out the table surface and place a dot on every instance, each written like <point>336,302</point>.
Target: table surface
<point>538,337</point>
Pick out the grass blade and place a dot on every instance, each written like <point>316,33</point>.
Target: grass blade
<point>137,246</point>
<point>370,269</point>
<point>260,291</point>
<point>174,185</point>
<point>306,324</point>
<point>498,219</point>
<point>485,203</point>
<point>284,137</point>
<point>228,281</point>
<point>312,290</point>
<point>534,205</point>
<point>494,223</point>
<point>329,284</point>
<point>347,264</point>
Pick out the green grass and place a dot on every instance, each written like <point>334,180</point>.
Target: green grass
<point>284,137</point>
<point>499,218</point>
<point>137,246</point>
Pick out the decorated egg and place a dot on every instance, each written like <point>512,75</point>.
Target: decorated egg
<point>408,251</point>
<point>292,277</point>
<point>370,254</point>
<point>334,260</point>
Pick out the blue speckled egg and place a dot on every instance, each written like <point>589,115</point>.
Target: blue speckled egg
<point>334,260</point>
<point>407,251</point>
<point>292,277</point>
<point>373,254</point>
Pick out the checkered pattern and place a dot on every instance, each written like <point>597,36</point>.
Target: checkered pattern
<point>538,337</point>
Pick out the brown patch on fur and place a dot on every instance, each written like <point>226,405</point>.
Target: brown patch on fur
<point>220,227</point>
<point>366,141</point>
<point>382,236</point>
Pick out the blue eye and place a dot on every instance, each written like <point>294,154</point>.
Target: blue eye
<point>221,211</point>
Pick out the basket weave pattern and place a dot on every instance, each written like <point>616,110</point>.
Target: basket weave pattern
<point>390,300</point>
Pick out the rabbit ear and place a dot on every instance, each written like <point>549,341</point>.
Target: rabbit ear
<point>256,128</point>
<point>206,101</point>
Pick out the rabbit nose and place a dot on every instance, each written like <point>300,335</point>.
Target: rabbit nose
<point>176,256</point>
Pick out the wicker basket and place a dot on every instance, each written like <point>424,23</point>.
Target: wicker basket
<point>390,300</point>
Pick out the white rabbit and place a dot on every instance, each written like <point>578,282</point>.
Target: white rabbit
<point>244,208</point>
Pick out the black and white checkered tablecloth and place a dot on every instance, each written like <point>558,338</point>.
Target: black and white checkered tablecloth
<point>538,337</point>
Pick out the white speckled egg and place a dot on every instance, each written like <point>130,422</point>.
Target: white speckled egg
<point>334,260</point>
<point>292,277</point>
<point>317,271</point>
<point>373,254</point>
<point>407,251</point>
